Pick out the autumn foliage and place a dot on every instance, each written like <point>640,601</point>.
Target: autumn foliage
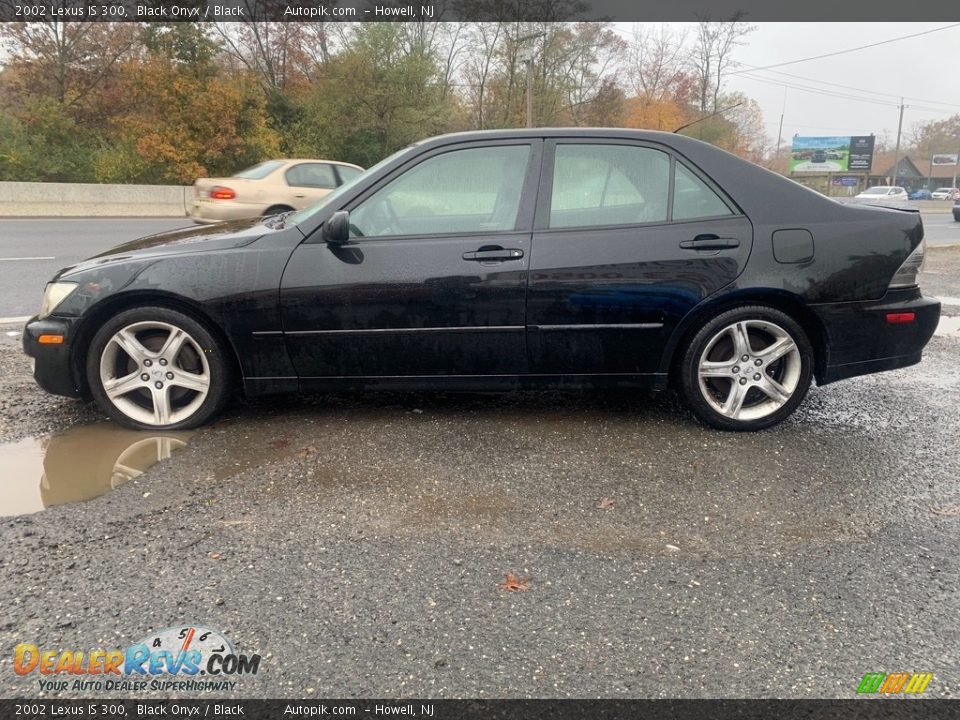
<point>167,103</point>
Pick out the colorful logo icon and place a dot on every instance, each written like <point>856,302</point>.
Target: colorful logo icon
<point>894,683</point>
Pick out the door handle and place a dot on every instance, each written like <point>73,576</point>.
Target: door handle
<point>709,242</point>
<point>300,195</point>
<point>494,254</point>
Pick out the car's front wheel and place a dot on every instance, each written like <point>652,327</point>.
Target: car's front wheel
<point>747,368</point>
<point>153,368</point>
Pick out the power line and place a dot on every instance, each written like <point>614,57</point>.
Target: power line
<point>754,68</point>
<point>818,91</point>
<point>849,50</point>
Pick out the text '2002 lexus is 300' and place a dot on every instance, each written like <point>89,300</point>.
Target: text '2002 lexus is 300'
<point>499,260</point>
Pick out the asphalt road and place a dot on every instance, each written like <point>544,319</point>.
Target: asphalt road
<point>32,250</point>
<point>941,229</point>
<point>357,542</point>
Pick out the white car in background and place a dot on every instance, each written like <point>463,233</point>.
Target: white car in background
<point>945,193</point>
<point>272,187</point>
<point>882,193</point>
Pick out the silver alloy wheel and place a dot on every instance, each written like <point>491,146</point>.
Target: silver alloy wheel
<point>155,373</point>
<point>749,369</point>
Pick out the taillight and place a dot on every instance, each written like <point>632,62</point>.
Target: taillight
<point>901,318</point>
<point>219,192</point>
<point>906,276</point>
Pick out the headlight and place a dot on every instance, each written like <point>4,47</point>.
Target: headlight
<point>55,294</point>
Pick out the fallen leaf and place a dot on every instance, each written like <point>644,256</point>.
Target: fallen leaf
<point>280,444</point>
<point>949,510</point>
<point>605,503</point>
<point>307,451</point>
<point>512,583</point>
<point>214,556</point>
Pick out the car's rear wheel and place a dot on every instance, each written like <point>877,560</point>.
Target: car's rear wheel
<point>153,368</point>
<point>746,369</point>
<point>276,210</point>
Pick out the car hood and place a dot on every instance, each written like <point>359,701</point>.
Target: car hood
<point>183,240</point>
<point>194,238</point>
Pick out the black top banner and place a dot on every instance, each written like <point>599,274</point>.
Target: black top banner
<point>854,11</point>
<point>861,709</point>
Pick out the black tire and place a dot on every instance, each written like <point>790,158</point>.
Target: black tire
<point>276,210</point>
<point>202,346</point>
<point>798,365</point>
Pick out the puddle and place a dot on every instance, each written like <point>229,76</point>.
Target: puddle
<point>948,326</point>
<point>79,464</point>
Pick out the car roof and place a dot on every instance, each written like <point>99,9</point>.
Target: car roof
<point>549,132</point>
<point>313,160</point>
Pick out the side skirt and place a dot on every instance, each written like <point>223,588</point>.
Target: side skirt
<point>469,383</point>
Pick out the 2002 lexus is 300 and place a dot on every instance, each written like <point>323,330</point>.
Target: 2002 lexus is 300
<point>498,260</point>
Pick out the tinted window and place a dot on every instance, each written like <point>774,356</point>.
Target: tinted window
<point>608,185</point>
<point>317,175</point>
<point>348,173</point>
<point>258,172</point>
<point>692,198</point>
<point>464,191</point>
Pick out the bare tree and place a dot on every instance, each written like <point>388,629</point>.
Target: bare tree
<point>656,61</point>
<point>483,40</point>
<point>712,55</point>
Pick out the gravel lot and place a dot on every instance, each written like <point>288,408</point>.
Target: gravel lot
<point>357,543</point>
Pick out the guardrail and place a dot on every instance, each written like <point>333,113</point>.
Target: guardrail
<point>35,199</point>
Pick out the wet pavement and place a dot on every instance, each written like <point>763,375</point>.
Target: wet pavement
<point>357,542</point>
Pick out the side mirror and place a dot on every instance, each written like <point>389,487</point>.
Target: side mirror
<point>336,230</point>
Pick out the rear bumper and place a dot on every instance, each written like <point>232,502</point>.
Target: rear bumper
<point>53,366</point>
<point>861,341</point>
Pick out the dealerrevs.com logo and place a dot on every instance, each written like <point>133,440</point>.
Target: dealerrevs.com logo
<point>184,658</point>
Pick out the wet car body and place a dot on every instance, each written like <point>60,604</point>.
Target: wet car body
<point>584,306</point>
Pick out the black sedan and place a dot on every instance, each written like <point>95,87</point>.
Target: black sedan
<point>499,260</point>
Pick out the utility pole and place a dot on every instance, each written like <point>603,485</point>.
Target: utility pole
<point>956,168</point>
<point>530,90</point>
<point>896,153</point>
<point>526,55</point>
<point>780,130</point>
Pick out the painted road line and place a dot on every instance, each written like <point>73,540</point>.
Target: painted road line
<point>39,257</point>
<point>14,320</point>
<point>948,300</point>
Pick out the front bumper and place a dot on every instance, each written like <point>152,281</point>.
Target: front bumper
<point>861,341</point>
<point>53,367</point>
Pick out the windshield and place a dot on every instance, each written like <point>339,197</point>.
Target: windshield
<point>309,212</point>
<point>260,171</point>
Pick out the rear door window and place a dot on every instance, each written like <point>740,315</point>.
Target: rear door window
<point>596,184</point>
<point>315,175</point>
<point>693,198</point>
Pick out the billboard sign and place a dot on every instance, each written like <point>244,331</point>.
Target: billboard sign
<point>841,153</point>
<point>941,159</point>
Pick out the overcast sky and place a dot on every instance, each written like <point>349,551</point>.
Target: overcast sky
<point>926,69</point>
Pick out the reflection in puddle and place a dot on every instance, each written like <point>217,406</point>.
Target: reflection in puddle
<point>77,465</point>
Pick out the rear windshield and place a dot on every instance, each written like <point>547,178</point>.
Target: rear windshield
<point>258,172</point>
<point>877,191</point>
